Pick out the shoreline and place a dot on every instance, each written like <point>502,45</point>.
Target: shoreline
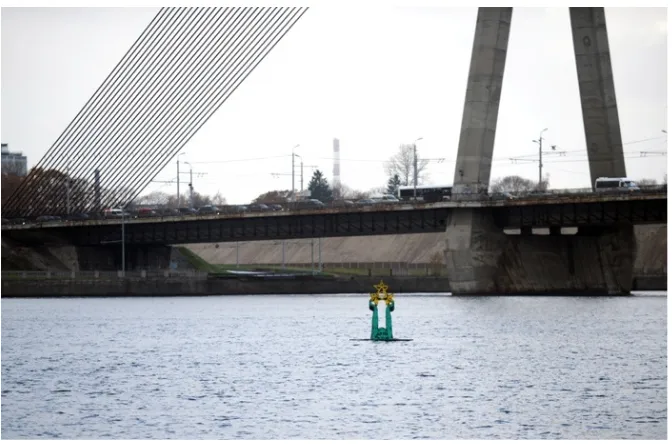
<point>171,287</point>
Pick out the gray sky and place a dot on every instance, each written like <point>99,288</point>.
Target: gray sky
<point>373,77</point>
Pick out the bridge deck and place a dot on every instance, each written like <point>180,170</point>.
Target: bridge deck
<point>543,200</point>
<point>586,211</point>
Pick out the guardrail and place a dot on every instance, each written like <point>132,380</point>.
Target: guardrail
<point>545,196</point>
<point>104,275</point>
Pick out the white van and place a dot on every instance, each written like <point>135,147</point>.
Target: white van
<point>603,184</point>
<point>385,198</point>
<point>113,213</point>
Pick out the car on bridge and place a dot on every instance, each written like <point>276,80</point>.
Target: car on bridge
<point>258,207</point>
<point>385,198</point>
<point>146,212</point>
<point>115,213</point>
<point>342,203</point>
<point>307,204</point>
<point>169,212</point>
<point>366,202</point>
<point>187,211</point>
<point>208,209</point>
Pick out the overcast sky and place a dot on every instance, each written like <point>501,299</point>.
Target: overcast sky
<point>374,78</point>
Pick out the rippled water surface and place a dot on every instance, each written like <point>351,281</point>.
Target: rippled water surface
<point>284,367</point>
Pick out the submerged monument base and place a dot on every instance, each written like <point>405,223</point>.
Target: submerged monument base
<point>483,260</point>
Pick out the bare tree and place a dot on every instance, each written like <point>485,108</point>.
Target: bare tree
<point>358,195</point>
<point>10,182</point>
<point>337,191</point>
<point>273,197</point>
<point>155,198</point>
<point>517,184</point>
<point>218,199</point>
<point>401,164</point>
<point>345,192</point>
<point>378,191</point>
<point>200,200</point>
<point>647,182</point>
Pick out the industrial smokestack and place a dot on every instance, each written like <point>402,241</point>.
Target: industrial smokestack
<point>337,164</point>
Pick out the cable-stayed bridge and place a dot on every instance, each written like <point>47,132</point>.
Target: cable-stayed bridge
<point>188,61</point>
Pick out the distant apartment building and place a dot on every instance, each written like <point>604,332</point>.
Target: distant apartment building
<point>13,163</point>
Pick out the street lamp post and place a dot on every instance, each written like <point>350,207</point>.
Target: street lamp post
<point>540,141</point>
<point>295,146</point>
<point>415,169</point>
<point>178,179</point>
<point>301,168</point>
<point>191,185</point>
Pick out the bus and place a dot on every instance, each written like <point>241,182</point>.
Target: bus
<point>606,184</point>
<point>426,193</point>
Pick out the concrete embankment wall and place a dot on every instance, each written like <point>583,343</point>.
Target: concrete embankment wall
<point>211,287</point>
<point>193,287</point>
<point>651,256</point>
<point>649,283</point>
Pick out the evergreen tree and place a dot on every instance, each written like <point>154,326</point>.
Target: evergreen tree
<point>319,188</point>
<point>393,185</point>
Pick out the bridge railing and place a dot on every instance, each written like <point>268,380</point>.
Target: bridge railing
<point>104,275</point>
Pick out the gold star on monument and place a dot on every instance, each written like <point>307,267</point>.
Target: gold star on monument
<point>381,288</point>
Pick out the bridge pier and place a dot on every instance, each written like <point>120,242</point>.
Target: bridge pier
<point>483,260</point>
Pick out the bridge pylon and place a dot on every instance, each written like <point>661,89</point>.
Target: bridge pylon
<point>480,257</point>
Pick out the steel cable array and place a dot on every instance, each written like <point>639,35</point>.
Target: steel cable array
<point>181,69</point>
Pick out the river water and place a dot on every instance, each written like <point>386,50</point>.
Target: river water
<point>283,367</point>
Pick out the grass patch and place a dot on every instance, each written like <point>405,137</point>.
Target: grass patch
<point>197,261</point>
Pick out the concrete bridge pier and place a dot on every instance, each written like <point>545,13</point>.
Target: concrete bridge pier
<point>483,260</point>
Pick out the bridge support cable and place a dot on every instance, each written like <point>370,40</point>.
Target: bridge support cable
<point>146,113</point>
<point>197,118</point>
<point>146,102</point>
<point>114,110</point>
<point>156,131</point>
<point>60,150</point>
<point>128,104</point>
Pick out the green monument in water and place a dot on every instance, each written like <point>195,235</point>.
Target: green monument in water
<point>381,333</point>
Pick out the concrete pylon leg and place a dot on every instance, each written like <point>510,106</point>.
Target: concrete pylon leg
<point>598,95</point>
<point>482,260</point>
<point>481,104</point>
<point>474,251</point>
